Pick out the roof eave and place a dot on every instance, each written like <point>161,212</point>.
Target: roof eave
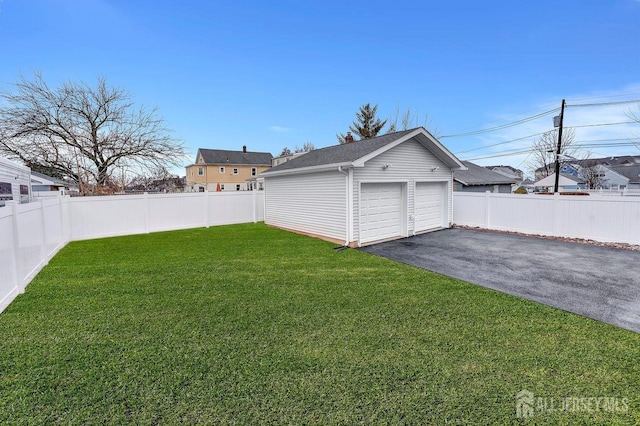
<point>310,169</point>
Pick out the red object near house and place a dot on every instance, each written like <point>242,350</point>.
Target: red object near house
<point>218,188</point>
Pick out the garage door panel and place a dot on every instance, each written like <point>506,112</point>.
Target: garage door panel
<point>429,205</point>
<point>381,211</point>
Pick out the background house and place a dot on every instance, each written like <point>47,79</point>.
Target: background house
<point>386,187</point>
<point>511,172</point>
<point>221,170</point>
<point>566,183</point>
<point>276,161</point>
<point>480,179</point>
<point>14,182</point>
<point>43,185</point>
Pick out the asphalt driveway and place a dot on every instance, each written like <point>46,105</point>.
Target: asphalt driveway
<point>597,282</point>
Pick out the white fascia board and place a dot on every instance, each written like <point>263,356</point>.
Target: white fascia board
<point>440,151</point>
<point>301,170</point>
<point>443,153</point>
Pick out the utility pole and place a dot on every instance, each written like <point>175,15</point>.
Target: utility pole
<point>555,188</point>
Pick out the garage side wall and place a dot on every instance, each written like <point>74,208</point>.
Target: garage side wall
<point>410,162</point>
<point>313,203</point>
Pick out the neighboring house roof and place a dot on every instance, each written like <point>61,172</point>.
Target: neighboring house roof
<point>42,179</point>
<point>508,171</point>
<point>622,160</point>
<point>355,154</point>
<point>478,175</point>
<point>630,172</point>
<point>221,156</point>
<point>565,180</point>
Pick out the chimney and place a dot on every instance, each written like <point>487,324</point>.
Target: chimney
<point>244,149</point>
<point>348,138</point>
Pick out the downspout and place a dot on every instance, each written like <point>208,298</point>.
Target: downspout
<point>348,206</point>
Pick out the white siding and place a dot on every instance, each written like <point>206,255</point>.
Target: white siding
<point>15,175</point>
<point>410,163</point>
<point>314,203</point>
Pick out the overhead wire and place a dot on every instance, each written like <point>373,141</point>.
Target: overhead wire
<point>632,101</point>
<point>500,127</point>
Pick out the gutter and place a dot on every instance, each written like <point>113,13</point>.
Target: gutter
<point>310,169</point>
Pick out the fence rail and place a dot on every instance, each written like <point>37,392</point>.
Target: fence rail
<point>600,218</point>
<point>31,234</point>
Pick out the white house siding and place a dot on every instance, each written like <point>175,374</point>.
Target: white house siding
<point>318,200</point>
<point>15,175</point>
<point>410,163</point>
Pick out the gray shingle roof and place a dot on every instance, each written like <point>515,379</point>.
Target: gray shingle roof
<point>340,153</point>
<point>630,172</point>
<point>221,156</point>
<point>477,175</point>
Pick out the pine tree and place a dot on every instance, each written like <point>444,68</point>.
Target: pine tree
<point>366,125</point>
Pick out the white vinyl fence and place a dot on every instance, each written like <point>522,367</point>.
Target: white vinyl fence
<point>31,234</point>
<point>599,218</point>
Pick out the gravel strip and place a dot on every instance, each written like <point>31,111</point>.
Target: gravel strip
<point>622,246</point>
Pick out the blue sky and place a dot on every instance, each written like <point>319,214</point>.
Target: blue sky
<point>280,73</point>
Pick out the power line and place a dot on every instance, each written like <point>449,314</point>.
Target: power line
<point>579,145</point>
<point>603,124</point>
<point>501,143</point>
<point>605,97</point>
<point>632,101</point>
<point>500,127</point>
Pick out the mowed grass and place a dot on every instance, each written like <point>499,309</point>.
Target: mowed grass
<point>252,325</point>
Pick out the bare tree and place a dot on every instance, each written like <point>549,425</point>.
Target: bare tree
<point>83,132</point>
<point>306,147</point>
<point>543,152</point>
<point>593,176</point>
<point>635,116</point>
<point>408,120</point>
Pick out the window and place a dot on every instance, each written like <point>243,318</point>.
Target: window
<point>260,186</point>
<point>238,187</point>
<point>277,162</point>
<point>235,171</point>
<point>221,169</point>
<point>254,171</point>
<point>200,171</point>
<point>222,187</point>
<point>201,189</point>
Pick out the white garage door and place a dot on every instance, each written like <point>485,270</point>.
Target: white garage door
<point>429,206</point>
<point>380,211</point>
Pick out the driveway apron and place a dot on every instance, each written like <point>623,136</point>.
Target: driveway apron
<point>597,282</point>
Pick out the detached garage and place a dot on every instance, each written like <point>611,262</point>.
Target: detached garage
<point>392,186</point>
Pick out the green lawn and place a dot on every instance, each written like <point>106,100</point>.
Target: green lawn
<point>247,324</point>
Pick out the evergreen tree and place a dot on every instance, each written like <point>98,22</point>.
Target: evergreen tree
<point>366,125</point>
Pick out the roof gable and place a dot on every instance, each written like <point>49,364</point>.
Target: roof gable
<point>355,154</point>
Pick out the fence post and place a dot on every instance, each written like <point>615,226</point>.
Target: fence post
<point>44,255</point>
<point>13,205</point>
<point>206,208</point>
<point>255,206</point>
<point>146,212</point>
<point>487,209</point>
